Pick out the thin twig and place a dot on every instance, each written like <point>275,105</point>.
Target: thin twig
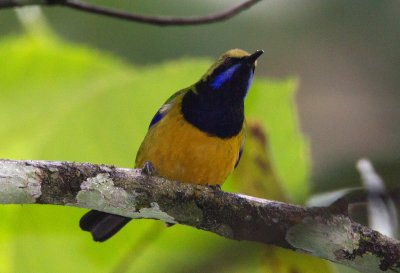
<point>123,15</point>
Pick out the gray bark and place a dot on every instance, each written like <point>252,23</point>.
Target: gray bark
<point>321,232</point>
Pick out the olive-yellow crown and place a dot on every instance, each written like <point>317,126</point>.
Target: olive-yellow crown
<point>235,53</point>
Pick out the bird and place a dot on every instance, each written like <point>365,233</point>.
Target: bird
<point>197,136</point>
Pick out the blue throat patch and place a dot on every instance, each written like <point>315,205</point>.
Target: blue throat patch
<point>224,76</point>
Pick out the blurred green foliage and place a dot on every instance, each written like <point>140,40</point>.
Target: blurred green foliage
<point>272,102</point>
<point>65,102</point>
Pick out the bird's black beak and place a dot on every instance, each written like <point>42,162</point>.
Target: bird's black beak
<point>253,57</point>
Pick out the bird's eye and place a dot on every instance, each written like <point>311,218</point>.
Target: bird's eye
<point>227,61</point>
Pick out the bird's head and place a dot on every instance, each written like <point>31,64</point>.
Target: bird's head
<point>230,75</point>
<point>215,104</point>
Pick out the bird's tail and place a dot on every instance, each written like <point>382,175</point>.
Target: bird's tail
<point>102,225</point>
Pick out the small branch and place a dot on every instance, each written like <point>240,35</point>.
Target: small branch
<point>153,20</point>
<point>130,193</point>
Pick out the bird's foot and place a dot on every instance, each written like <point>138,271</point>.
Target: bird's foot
<point>215,187</point>
<point>148,169</point>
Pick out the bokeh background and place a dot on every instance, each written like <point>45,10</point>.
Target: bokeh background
<point>344,56</point>
<point>345,53</point>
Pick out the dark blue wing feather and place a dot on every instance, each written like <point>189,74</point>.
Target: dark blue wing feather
<point>240,151</point>
<point>240,155</point>
<point>164,109</point>
<point>157,117</point>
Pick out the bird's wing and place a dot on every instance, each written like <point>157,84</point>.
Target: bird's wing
<point>165,108</point>
<point>241,150</point>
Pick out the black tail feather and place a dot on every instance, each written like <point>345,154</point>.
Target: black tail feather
<point>102,225</point>
<point>91,219</point>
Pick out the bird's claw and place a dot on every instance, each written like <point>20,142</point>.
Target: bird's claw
<point>215,187</point>
<point>148,168</point>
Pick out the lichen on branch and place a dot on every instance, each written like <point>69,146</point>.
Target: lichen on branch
<point>128,192</point>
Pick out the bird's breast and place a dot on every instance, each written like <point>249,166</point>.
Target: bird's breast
<point>180,151</point>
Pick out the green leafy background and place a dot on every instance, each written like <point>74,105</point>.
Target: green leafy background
<point>66,102</point>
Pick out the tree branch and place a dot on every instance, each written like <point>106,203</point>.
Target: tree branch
<point>153,20</point>
<point>130,193</point>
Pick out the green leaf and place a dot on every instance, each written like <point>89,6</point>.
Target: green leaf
<point>68,102</point>
<point>272,103</point>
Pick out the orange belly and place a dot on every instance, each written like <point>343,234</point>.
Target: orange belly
<point>179,151</point>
